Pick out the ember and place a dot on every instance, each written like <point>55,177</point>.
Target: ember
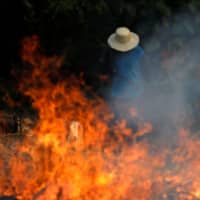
<point>108,162</point>
<point>9,124</point>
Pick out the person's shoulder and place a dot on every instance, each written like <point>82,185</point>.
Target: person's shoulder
<point>139,50</point>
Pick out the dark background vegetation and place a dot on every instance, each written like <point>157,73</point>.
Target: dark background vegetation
<point>79,30</point>
<point>81,27</point>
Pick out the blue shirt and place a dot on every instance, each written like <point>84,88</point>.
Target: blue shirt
<point>127,81</point>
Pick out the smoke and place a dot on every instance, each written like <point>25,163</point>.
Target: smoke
<point>171,72</point>
<point>171,98</point>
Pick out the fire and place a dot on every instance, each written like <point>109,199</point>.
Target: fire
<point>76,151</point>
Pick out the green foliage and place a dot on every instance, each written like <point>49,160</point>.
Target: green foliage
<point>75,23</point>
<point>82,26</point>
<point>79,28</point>
<point>54,8</point>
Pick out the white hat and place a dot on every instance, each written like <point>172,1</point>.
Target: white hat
<point>123,39</point>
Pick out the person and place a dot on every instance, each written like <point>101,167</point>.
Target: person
<point>125,59</point>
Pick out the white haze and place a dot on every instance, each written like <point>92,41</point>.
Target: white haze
<point>172,83</point>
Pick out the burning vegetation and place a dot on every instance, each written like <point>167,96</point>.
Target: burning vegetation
<point>78,151</point>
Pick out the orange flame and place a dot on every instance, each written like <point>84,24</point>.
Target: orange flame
<point>104,161</point>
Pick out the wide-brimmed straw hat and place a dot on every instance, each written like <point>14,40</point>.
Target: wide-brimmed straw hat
<point>123,39</point>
